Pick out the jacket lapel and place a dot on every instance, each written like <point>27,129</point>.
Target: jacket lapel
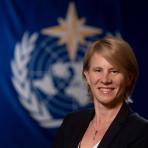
<point>116,125</point>
<point>82,127</point>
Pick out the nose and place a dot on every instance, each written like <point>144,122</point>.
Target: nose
<point>106,79</point>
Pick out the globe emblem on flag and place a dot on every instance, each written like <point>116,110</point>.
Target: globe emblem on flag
<point>47,68</point>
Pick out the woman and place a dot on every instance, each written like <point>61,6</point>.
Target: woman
<point>110,71</point>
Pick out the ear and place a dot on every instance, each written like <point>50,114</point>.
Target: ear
<point>86,75</point>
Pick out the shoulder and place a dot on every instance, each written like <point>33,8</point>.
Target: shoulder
<point>132,129</point>
<point>73,125</point>
<point>131,118</point>
<point>136,119</point>
<point>137,131</point>
<point>133,125</point>
<point>136,125</point>
<point>72,128</point>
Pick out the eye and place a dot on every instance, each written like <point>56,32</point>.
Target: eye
<point>114,71</point>
<point>97,70</point>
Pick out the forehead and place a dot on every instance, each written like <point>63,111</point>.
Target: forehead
<point>98,60</point>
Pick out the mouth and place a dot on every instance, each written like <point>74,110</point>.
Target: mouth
<point>106,90</point>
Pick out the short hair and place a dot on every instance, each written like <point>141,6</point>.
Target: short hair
<point>120,54</point>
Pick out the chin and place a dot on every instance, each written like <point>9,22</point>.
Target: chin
<point>110,102</point>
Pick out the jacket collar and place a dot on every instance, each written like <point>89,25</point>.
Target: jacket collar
<point>114,128</point>
<point>116,125</point>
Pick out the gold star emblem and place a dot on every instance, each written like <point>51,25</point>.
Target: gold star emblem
<point>71,31</point>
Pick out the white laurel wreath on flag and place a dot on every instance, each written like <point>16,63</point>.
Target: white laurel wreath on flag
<point>28,99</point>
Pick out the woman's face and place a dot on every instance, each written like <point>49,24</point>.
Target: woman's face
<point>106,82</point>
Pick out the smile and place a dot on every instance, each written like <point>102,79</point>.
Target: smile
<point>106,90</point>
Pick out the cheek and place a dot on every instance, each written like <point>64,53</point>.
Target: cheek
<point>121,83</point>
<point>93,79</point>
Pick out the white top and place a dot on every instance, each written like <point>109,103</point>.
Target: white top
<point>95,146</point>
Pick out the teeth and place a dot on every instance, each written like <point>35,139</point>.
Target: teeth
<point>106,90</point>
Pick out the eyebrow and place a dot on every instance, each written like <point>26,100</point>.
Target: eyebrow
<point>98,67</point>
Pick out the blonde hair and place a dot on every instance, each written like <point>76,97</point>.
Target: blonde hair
<point>119,53</point>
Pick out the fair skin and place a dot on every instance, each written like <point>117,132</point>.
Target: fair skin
<point>107,85</point>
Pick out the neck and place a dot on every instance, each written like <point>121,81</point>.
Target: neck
<point>104,114</point>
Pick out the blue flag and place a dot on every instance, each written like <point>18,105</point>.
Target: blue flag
<point>42,44</point>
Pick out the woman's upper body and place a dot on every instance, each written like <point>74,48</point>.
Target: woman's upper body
<point>128,130</point>
<point>107,86</point>
<point>110,71</point>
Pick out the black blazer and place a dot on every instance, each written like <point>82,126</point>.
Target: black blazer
<point>128,130</point>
